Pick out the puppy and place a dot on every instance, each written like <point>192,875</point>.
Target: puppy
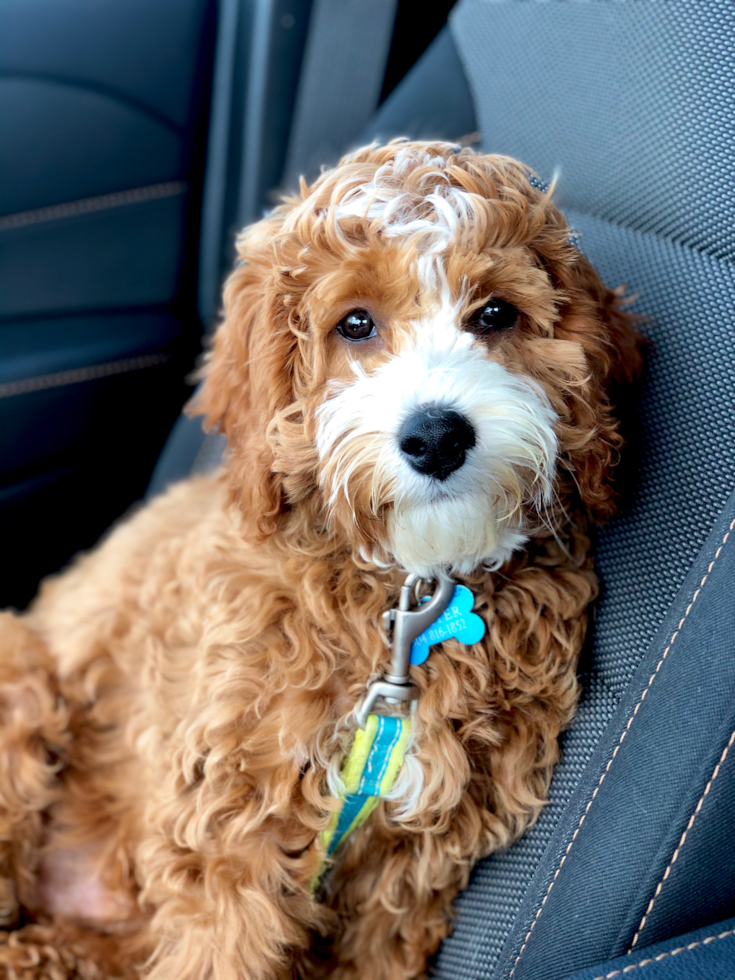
<point>413,376</point>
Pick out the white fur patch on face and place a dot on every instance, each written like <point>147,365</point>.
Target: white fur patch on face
<point>428,222</point>
<point>476,515</point>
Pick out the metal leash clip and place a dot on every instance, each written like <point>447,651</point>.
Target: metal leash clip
<point>403,625</point>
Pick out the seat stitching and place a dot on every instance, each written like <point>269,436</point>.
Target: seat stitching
<point>77,375</point>
<point>620,742</point>
<point>662,956</point>
<point>86,205</point>
<point>689,826</point>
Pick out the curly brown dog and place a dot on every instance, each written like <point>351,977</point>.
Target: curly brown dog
<point>413,376</point>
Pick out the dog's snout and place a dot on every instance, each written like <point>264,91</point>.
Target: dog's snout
<point>435,441</point>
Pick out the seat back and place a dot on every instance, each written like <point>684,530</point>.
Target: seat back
<point>629,104</point>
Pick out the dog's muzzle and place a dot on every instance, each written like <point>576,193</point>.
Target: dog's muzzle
<point>435,441</point>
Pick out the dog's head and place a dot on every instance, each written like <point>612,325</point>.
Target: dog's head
<point>415,360</point>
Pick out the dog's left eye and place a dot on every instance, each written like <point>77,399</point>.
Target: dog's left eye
<point>357,325</point>
<point>494,316</point>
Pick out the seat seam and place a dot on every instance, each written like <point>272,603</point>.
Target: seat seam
<point>681,843</point>
<point>647,233</point>
<point>662,956</point>
<point>78,375</point>
<point>620,742</point>
<point>88,205</point>
<point>205,450</point>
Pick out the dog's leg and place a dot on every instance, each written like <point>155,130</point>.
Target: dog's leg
<point>237,906</point>
<point>33,722</point>
<point>394,900</point>
<point>62,951</point>
<point>33,739</point>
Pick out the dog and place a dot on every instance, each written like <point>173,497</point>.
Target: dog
<point>414,376</point>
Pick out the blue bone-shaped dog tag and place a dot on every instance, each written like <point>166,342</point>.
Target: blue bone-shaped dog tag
<point>456,622</point>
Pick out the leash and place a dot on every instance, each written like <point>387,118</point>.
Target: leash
<point>376,755</point>
<point>368,774</point>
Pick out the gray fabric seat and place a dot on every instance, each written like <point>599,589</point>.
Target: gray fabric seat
<point>631,103</point>
<point>626,101</point>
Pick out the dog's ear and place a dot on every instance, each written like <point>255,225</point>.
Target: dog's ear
<point>247,378</point>
<point>617,353</point>
<point>594,317</point>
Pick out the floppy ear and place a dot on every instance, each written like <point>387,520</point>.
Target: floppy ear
<point>620,354</point>
<point>593,317</point>
<point>247,379</point>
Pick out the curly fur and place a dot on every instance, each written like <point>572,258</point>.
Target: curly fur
<point>172,706</point>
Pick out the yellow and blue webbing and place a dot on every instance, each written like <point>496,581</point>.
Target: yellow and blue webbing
<point>368,774</point>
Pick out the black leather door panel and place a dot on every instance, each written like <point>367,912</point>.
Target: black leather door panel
<point>103,121</point>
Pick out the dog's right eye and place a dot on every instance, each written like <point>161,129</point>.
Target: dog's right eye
<point>357,325</point>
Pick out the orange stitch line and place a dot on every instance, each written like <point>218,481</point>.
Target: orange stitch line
<point>620,742</point>
<point>662,956</point>
<point>675,856</point>
<point>77,375</point>
<point>87,205</point>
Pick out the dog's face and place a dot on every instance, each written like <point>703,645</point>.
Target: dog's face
<point>415,359</point>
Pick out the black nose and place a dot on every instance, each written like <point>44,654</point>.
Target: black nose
<point>435,441</point>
